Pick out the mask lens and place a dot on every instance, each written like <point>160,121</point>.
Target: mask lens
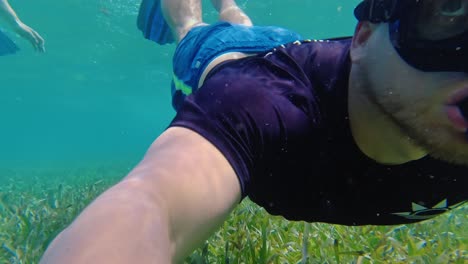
<point>438,19</point>
<point>432,35</point>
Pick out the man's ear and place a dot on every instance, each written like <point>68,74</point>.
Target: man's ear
<point>361,36</point>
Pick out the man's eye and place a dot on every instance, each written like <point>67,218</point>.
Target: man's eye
<point>454,8</point>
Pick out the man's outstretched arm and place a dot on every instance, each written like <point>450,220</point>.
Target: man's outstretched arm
<point>171,202</point>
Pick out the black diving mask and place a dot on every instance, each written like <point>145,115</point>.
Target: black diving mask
<point>430,35</point>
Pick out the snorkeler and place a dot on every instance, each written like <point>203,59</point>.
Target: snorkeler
<point>362,130</point>
<point>7,46</point>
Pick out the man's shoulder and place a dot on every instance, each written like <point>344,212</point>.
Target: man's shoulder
<point>321,52</point>
<point>322,59</point>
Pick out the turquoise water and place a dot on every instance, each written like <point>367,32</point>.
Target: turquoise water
<point>100,94</point>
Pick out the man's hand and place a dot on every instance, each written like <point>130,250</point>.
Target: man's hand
<point>31,35</point>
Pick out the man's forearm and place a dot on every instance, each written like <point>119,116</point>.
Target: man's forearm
<point>120,226</point>
<point>7,13</point>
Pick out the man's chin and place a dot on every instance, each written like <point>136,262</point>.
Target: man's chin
<point>452,156</point>
<point>441,143</point>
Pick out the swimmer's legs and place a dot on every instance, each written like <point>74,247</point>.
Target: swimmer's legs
<point>183,15</point>
<point>229,11</point>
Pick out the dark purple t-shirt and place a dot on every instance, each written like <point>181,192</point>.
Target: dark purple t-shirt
<point>281,120</point>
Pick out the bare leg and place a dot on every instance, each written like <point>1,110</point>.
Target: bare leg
<point>230,12</point>
<point>183,15</point>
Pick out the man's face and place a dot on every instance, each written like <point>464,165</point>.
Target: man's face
<point>421,104</point>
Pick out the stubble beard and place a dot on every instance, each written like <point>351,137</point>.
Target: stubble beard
<point>412,121</point>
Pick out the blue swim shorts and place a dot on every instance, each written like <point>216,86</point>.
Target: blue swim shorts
<point>204,43</point>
